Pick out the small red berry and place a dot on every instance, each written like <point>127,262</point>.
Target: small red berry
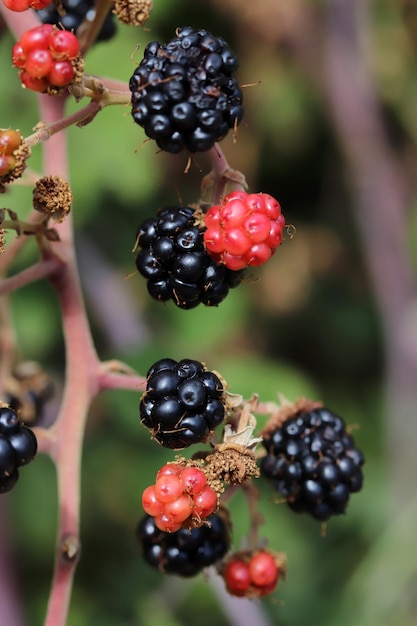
<point>61,73</point>
<point>169,468</point>
<point>205,502</point>
<point>39,63</point>
<point>10,140</point>
<point>35,84</point>
<point>237,577</point>
<point>7,164</point>
<point>64,45</point>
<point>168,488</point>
<point>151,504</point>
<point>166,523</point>
<point>18,56</point>
<point>179,510</point>
<point>244,230</point>
<point>263,570</point>
<point>16,5</point>
<point>193,480</point>
<point>36,38</point>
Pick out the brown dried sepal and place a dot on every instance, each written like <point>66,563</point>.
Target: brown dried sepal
<point>53,197</point>
<point>230,464</point>
<point>287,411</point>
<point>21,154</point>
<point>78,65</point>
<point>133,12</point>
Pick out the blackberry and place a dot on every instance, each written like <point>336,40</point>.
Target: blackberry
<point>183,92</point>
<point>173,259</point>
<point>18,446</point>
<point>76,11</point>
<point>313,462</point>
<point>184,552</point>
<point>183,403</point>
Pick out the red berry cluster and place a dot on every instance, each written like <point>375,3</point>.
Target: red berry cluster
<point>23,5</point>
<point>244,230</point>
<point>179,495</point>
<point>10,140</point>
<point>251,575</point>
<point>45,57</point>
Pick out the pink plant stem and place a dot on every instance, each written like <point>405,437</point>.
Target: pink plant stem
<point>81,385</point>
<point>44,268</point>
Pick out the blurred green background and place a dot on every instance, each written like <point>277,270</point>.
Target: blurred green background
<point>308,323</point>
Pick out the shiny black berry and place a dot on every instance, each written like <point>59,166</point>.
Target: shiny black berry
<point>183,402</point>
<point>314,463</point>
<point>184,552</point>
<point>183,92</point>
<point>18,446</point>
<point>173,259</point>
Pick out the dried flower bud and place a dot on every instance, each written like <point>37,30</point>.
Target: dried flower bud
<point>133,12</point>
<point>53,197</point>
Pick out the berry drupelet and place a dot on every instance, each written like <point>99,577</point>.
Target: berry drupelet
<point>314,463</point>
<point>175,263</point>
<point>76,12</point>
<point>184,94</point>
<point>184,552</point>
<point>18,446</point>
<point>183,402</point>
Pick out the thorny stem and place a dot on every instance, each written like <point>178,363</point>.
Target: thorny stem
<point>42,269</point>
<point>222,176</point>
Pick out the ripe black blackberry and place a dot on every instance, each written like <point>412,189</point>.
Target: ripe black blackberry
<point>18,446</point>
<point>173,259</point>
<point>183,402</point>
<point>313,462</point>
<point>184,552</point>
<point>184,94</point>
<point>76,11</point>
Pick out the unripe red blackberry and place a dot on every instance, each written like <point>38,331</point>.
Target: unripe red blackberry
<point>184,94</point>
<point>183,402</point>
<point>184,552</point>
<point>313,462</point>
<point>175,263</point>
<point>18,446</point>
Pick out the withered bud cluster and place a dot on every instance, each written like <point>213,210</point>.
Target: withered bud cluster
<point>52,196</point>
<point>133,12</point>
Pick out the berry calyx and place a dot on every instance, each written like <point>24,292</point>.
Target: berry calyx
<point>253,574</point>
<point>182,405</point>
<point>181,498</point>
<point>244,230</point>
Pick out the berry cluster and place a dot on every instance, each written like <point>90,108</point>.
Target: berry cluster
<point>18,446</point>
<point>23,5</point>
<point>173,259</point>
<point>184,552</point>
<point>252,574</point>
<point>314,463</point>
<point>76,12</point>
<point>179,498</point>
<point>184,94</point>
<point>244,230</point>
<point>10,140</point>
<point>183,402</point>
<point>46,58</point>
